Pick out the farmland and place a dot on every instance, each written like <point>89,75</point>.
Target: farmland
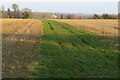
<point>104,27</point>
<point>19,44</point>
<point>98,26</point>
<point>66,52</point>
<point>58,49</point>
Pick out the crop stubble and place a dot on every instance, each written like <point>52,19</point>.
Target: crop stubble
<point>103,27</point>
<point>20,39</point>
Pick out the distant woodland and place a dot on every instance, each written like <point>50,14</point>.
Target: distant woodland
<point>15,12</point>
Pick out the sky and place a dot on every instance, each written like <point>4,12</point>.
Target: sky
<point>71,6</point>
<point>59,0</point>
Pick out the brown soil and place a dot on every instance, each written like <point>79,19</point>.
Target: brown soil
<point>20,40</point>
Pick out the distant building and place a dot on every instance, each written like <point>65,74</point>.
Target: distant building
<point>54,16</point>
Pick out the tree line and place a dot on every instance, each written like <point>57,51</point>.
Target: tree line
<point>105,16</point>
<point>15,12</point>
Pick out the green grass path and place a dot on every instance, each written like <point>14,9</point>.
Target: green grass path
<point>69,53</point>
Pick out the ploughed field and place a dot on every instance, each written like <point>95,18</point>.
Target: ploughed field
<point>20,39</point>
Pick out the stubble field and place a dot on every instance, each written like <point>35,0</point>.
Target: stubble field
<point>98,26</point>
<point>19,43</point>
<point>103,27</point>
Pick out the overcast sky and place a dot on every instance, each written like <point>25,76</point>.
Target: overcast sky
<point>85,7</point>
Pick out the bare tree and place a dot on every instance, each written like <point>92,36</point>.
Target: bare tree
<point>62,17</point>
<point>15,7</point>
<point>26,13</point>
<point>72,16</point>
<point>96,16</point>
<point>9,12</point>
<point>3,10</point>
